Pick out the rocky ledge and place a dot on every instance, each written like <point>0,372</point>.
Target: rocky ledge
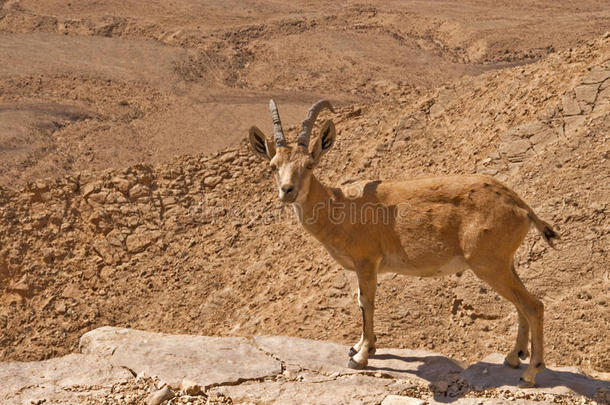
<point>126,366</point>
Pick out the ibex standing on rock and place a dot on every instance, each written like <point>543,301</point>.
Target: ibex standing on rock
<point>424,227</point>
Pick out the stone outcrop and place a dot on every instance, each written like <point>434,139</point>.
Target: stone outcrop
<point>120,365</point>
<point>587,100</point>
<point>206,361</point>
<point>68,379</point>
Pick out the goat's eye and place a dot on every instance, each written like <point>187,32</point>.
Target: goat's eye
<point>273,168</point>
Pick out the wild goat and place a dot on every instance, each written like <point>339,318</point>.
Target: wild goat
<point>424,227</point>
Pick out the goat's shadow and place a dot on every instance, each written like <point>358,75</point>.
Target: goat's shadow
<point>489,373</point>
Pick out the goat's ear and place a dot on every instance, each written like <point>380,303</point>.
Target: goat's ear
<point>260,145</point>
<point>325,141</point>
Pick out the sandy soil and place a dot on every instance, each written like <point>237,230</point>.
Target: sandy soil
<point>103,224</point>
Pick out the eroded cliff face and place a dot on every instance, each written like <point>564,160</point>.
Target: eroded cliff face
<point>95,86</point>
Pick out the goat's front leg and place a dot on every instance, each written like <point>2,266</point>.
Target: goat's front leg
<point>367,286</point>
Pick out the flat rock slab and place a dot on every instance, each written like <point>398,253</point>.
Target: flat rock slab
<point>488,401</point>
<point>272,369</point>
<point>404,400</point>
<point>206,361</point>
<point>492,373</point>
<point>63,380</point>
<point>413,364</point>
<point>427,367</point>
<point>401,400</point>
<point>323,357</point>
<point>327,357</point>
<point>348,389</point>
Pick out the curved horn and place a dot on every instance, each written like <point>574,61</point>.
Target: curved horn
<point>278,132</point>
<point>303,137</point>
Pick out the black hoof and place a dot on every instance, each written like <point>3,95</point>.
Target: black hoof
<point>525,384</point>
<point>353,365</point>
<point>352,351</point>
<point>506,363</point>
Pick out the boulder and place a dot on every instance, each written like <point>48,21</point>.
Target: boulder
<point>139,191</point>
<point>160,396</point>
<point>212,181</point>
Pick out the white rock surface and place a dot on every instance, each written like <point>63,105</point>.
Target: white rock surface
<point>347,389</point>
<point>492,373</point>
<point>330,357</point>
<point>63,380</point>
<point>401,400</point>
<point>271,369</point>
<point>206,361</point>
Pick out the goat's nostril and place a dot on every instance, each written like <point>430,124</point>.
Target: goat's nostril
<point>287,189</point>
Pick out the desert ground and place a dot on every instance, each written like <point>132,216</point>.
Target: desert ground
<point>129,196</point>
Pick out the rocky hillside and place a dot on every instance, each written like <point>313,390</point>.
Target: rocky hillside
<point>201,244</point>
<point>108,84</point>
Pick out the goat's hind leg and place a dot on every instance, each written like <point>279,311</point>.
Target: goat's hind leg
<point>520,350</point>
<point>502,278</point>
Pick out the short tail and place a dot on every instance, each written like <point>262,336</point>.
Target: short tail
<point>545,229</point>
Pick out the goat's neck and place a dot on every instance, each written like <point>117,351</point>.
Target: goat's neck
<point>315,213</point>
